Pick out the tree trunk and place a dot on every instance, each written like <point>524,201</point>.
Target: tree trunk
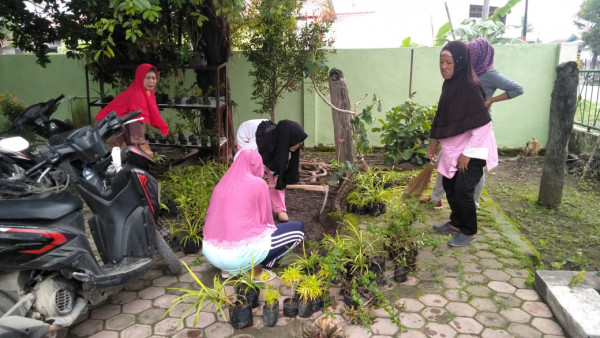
<point>562,112</point>
<point>342,129</point>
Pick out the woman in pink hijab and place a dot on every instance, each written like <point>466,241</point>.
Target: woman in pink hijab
<point>139,95</point>
<point>239,230</point>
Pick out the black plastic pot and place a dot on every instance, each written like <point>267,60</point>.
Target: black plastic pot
<point>181,138</point>
<point>317,304</point>
<point>270,314</point>
<point>161,98</point>
<point>376,209</point>
<point>305,308</point>
<point>348,300</point>
<point>248,295</point>
<point>351,208</point>
<point>362,210</point>
<point>290,307</point>
<point>377,266</point>
<point>401,273</point>
<point>191,247</point>
<point>241,315</point>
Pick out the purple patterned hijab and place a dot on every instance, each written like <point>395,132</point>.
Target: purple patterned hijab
<point>482,55</point>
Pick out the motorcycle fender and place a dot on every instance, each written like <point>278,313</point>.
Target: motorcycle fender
<point>148,187</point>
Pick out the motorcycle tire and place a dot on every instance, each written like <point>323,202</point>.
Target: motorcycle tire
<point>167,254</point>
<point>5,303</point>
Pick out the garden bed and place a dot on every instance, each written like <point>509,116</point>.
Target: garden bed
<point>514,185</point>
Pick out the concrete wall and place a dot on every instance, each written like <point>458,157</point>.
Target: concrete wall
<point>383,72</point>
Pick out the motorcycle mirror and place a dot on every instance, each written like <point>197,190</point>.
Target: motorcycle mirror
<point>16,143</point>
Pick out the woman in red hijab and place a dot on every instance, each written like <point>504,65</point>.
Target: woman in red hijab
<point>139,95</point>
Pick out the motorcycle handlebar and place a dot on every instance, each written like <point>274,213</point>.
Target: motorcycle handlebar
<point>124,119</point>
<point>37,166</point>
<point>59,97</point>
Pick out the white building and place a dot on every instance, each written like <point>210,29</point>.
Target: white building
<point>386,23</point>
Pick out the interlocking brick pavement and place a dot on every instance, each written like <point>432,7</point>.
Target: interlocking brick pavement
<point>478,290</point>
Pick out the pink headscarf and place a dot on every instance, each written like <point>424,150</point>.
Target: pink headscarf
<point>240,206</point>
<point>137,97</point>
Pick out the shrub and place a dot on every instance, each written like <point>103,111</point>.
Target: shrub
<point>405,132</point>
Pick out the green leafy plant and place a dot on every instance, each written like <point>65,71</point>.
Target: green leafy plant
<point>187,227</point>
<point>310,288</point>
<point>10,108</point>
<point>199,299</point>
<point>341,170</point>
<point>272,295</point>
<point>360,124</point>
<point>282,50</point>
<point>247,281</point>
<point>361,315</point>
<point>369,188</point>
<point>577,278</point>
<point>306,262</point>
<point>291,276</point>
<point>190,188</point>
<point>405,132</point>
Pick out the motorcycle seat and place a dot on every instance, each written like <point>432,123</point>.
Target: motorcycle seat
<point>47,206</point>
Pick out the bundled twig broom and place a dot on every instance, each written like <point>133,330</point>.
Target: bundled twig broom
<point>419,183</point>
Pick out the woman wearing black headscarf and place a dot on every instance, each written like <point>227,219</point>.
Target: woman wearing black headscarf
<point>278,145</point>
<point>463,128</point>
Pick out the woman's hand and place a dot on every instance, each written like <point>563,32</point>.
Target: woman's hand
<point>432,150</point>
<point>463,163</point>
<point>488,104</point>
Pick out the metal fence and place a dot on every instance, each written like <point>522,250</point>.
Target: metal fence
<point>588,99</point>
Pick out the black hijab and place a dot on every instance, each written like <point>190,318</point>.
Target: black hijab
<point>462,105</point>
<point>274,142</point>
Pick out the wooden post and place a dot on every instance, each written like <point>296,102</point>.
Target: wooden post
<point>562,113</point>
<point>342,129</point>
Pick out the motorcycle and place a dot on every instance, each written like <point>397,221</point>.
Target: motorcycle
<point>14,161</point>
<point>49,270</point>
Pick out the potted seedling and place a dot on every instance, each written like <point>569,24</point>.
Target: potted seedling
<point>271,307</point>
<point>308,263</point>
<point>217,296</point>
<point>247,287</point>
<point>309,289</point>
<point>291,276</point>
<point>187,227</point>
<point>180,137</point>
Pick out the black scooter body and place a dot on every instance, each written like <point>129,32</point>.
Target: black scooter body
<point>47,232</point>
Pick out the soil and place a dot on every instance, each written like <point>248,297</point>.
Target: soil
<point>517,171</point>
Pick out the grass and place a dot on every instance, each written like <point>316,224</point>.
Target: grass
<point>568,237</point>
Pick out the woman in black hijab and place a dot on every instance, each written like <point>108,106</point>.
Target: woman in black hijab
<point>278,145</point>
<point>462,127</point>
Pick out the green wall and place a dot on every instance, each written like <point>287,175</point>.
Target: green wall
<point>383,72</point>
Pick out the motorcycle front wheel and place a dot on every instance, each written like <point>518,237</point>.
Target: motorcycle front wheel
<point>167,254</point>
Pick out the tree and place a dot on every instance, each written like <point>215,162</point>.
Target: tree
<point>590,14</point>
<point>283,49</point>
<point>122,32</point>
<point>470,29</point>
<point>562,112</point>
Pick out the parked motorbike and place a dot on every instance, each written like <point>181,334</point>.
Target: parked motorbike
<point>14,162</point>
<point>49,271</point>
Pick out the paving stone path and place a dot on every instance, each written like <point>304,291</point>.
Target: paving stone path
<point>475,291</point>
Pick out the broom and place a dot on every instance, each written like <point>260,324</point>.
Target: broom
<point>419,183</point>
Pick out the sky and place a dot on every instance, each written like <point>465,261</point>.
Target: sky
<point>385,23</point>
